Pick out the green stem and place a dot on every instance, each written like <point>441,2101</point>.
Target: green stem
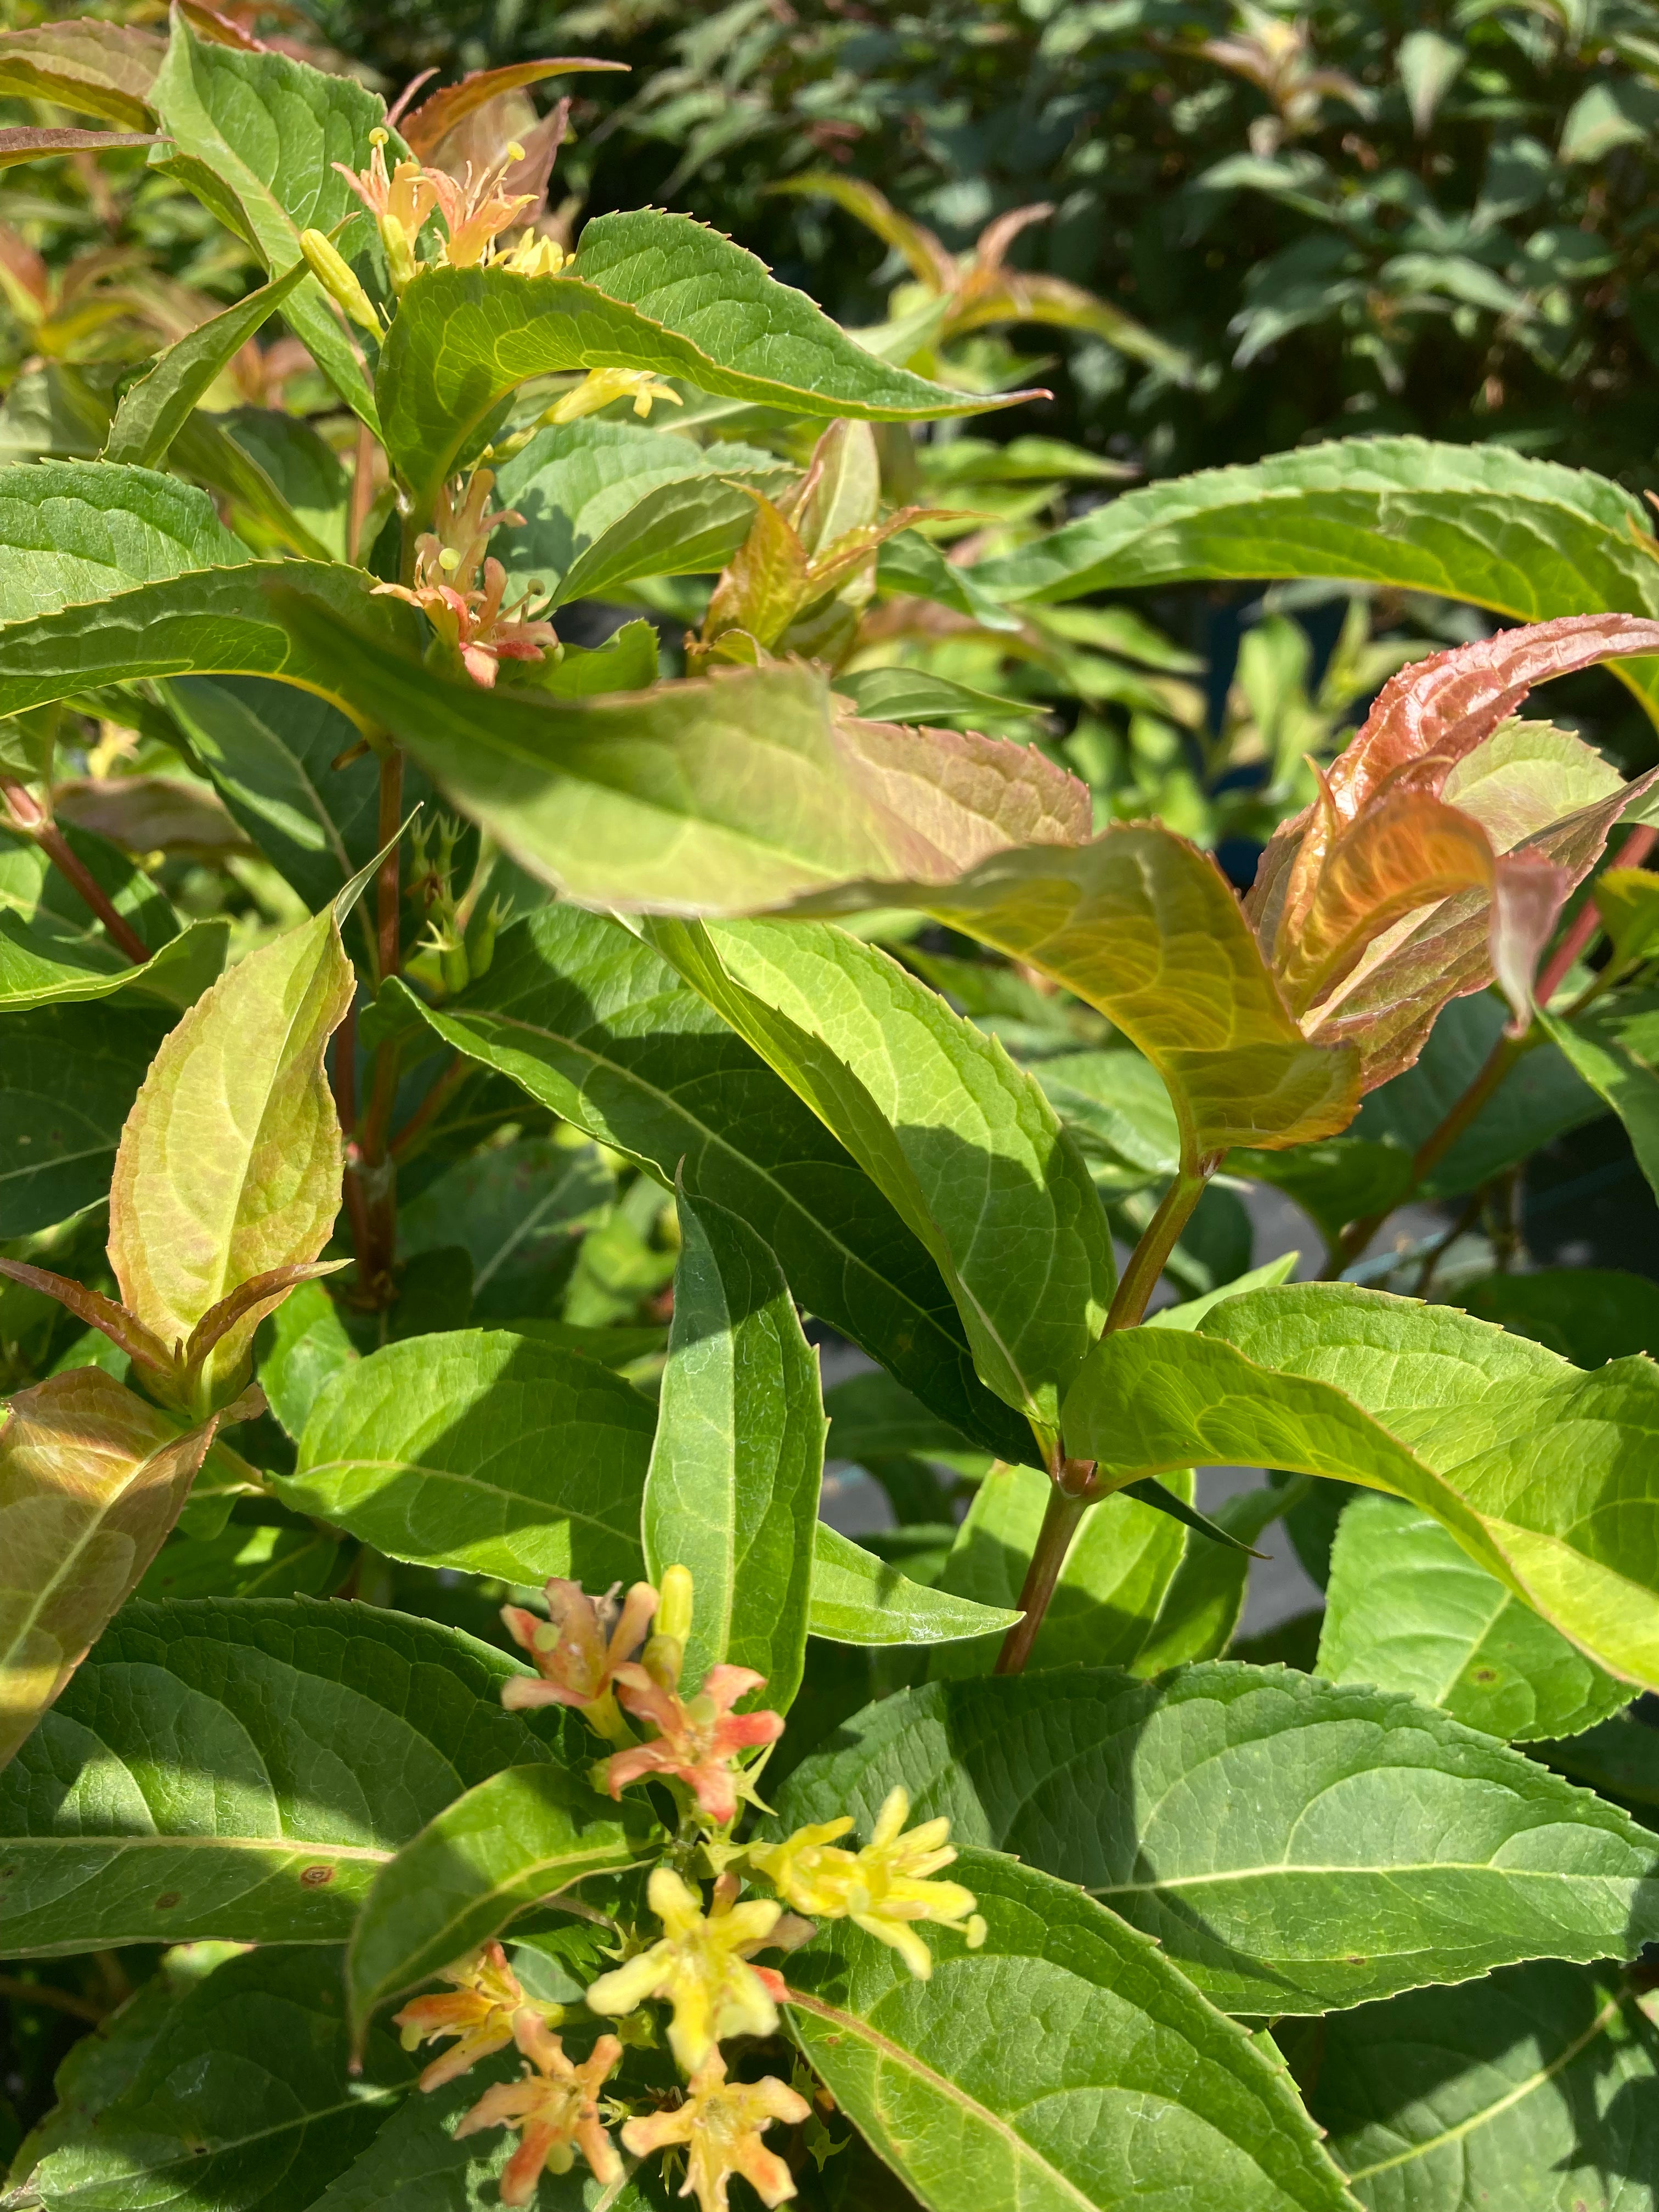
<point>1157,1239</point>
<point>1064,1508</point>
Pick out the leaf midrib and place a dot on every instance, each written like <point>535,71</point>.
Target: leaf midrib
<point>395,1467</point>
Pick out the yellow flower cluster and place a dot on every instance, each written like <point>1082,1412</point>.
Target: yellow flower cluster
<point>702,1965</point>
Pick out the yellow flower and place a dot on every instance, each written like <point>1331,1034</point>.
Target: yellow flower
<point>488,2007</point>
<point>601,386</point>
<point>701,1966</point>
<point>884,1888</point>
<point>534,256</point>
<point>554,2107</point>
<point>720,2125</point>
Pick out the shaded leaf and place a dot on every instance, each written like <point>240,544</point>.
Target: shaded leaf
<point>483,1451</point>
<point>519,1209</point>
<point>1589,1315</point>
<point>1614,1046</point>
<point>240,1771</point>
<point>261,1559</point>
<point>154,410</point>
<point>1534,2087</point>
<point>859,1599</point>
<point>1295,1845</point>
<point>518,1838</point>
<point>1085,2104</point>
<point>43,964</point>
<point>309,1343</point>
<point>1406,1609</point>
<point>594,1025</point>
<point>18,145</point>
<point>240,2102</point>
<point>733,1489</point>
<point>91,1479</point>
<point>1204,1601</point>
<point>1455,1416</point>
<point>91,67</point>
<point>916,694</point>
<point>67,1079</point>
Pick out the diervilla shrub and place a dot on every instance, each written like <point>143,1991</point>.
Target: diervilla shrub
<point>418,1627</point>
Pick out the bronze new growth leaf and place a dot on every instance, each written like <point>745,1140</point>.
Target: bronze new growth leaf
<point>1442,845</point>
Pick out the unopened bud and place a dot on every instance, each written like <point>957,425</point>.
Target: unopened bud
<point>674,1603</point>
<point>400,254</point>
<point>334,273</point>
<point>664,1660</point>
<point>456,968</point>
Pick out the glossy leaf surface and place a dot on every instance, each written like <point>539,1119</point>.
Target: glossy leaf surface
<point>964,1143</point>
<point>861,1600</point>
<point>594,1024</point>
<point>521,1837</point>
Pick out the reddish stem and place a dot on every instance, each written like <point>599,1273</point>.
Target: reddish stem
<point>1585,923</point>
<point>29,816</point>
<point>443,1090</point>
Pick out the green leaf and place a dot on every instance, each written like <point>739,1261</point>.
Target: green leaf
<point>1295,1845</point>
<point>861,1600</point>
<point>518,1210</point>
<point>645,291</point>
<point>91,1479</point>
<point>732,1489</point>
<point>1063,2065</point>
<point>605,502</point>
<point>1458,1418</point>
<point>1589,1315</point>
<point>1204,1601</point>
<point>1619,1759</point>
<point>269,131</point>
<point>482,1451</point>
<point>874,1417</point>
<point>1117,1108</point>
<point>219,622</point>
<point>1534,2087</point>
<point>241,2102</point>
<point>1541,1099</point>
<point>520,1837</point>
<point>74,532</point>
<point>628,661</point>
<point>67,1078</point>
<point>260,1560</point>
<point>1146,929</point>
<point>962,1142</point>
<point>916,694</point>
<point>43,964</point>
<point>230,1165</point>
<point>1121,1563</point>
<point>270,750</point>
<point>303,473</point>
<point>308,1345</point>
<point>723,795</point>
<point>595,1026</point>
<point>910,563</point>
<point>153,411</point>
<point>1407,1610</point>
<point>94,68</point>
<point>1527,539</point>
<point>241,1770</point>
<point>1614,1046</point>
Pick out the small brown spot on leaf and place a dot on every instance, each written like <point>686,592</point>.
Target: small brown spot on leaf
<point>166,1900</point>
<point>1485,1674</point>
<point>314,1877</point>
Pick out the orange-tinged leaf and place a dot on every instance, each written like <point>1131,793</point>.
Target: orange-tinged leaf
<point>230,1164</point>
<point>762,585</point>
<point>40,145</point>
<point>89,67</point>
<point>122,1328</point>
<point>91,1479</point>
<point>424,128</point>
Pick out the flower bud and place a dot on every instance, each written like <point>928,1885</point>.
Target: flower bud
<point>674,1603</point>
<point>334,273</point>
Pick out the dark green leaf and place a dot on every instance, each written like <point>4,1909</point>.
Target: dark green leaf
<point>259,1560</point>
<point>73,532</point>
<point>67,1079</point>
<point>307,1344</point>
<point>518,1210</point>
<point>1614,1046</point>
<point>241,1770</point>
<point>154,410</point>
